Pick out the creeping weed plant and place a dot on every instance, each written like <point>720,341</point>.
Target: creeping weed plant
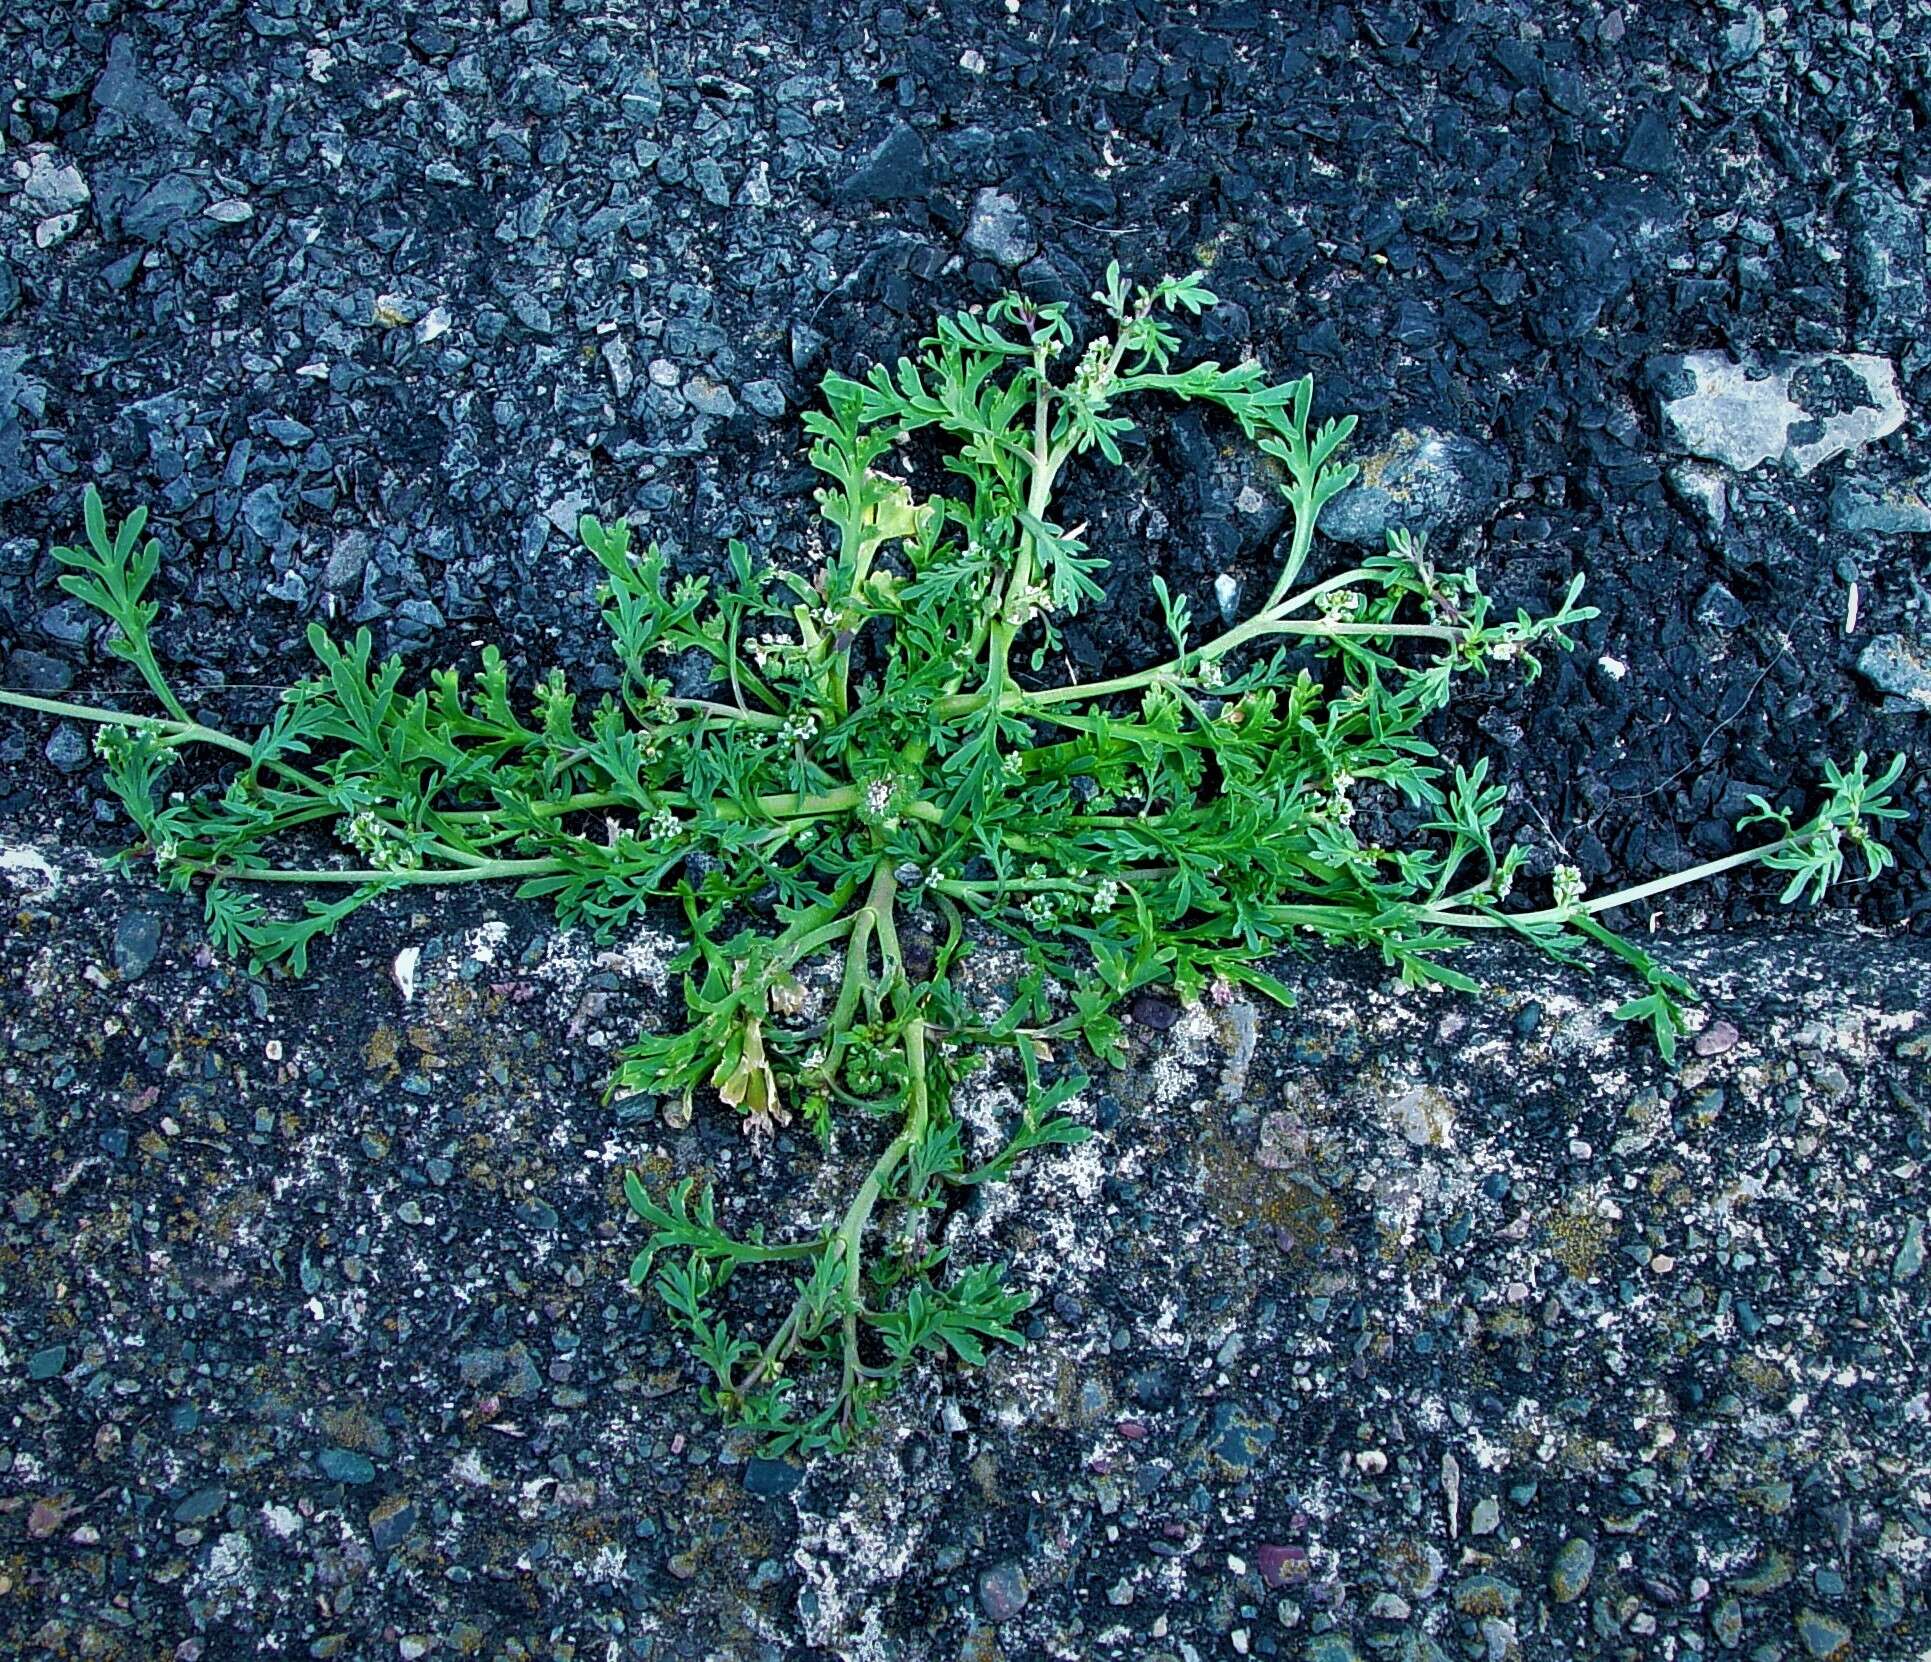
<point>876,740</point>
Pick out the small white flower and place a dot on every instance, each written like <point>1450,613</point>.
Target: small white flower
<point>1568,888</point>
<point>1339,603</point>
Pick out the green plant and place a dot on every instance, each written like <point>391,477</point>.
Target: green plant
<point>875,744</point>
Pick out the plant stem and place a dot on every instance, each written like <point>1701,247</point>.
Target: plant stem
<point>787,805</point>
<point>1039,496</point>
<point>727,712</point>
<point>1275,618</point>
<point>1609,902</point>
<point>875,917</point>
<point>192,731</point>
<point>480,873</point>
<point>1296,556</point>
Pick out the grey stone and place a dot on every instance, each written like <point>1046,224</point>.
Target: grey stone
<point>533,314</point>
<point>16,479</point>
<point>165,203</point>
<point>37,672</point>
<point>1743,39</point>
<point>1720,609</point>
<point>710,397</point>
<point>346,561</point>
<point>709,178</point>
<point>616,358</point>
<point>1487,1595</point>
<point>261,512</point>
<point>392,1522</point>
<point>1798,411</point>
<point>45,1364</point>
<point>1235,1441</point>
<point>122,90</point>
<point>1703,491</point>
<point>892,172</point>
<point>1003,1592</point>
<point>1865,505</point>
<point>807,347</point>
<point>1887,263</point>
<point>1899,666</point>
<point>9,290</point>
<point>998,230</point>
<point>771,1477</point>
<point>1823,1635</point>
<point>137,938</point>
<point>67,748</point>
<point>341,1465</point>
<point>1910,1256</point>
<point>53,186</point>
<point>1575,1564</point>
<point>1421,480</point>
<point>202,1505</point>
<point>71,623</point>
<point>766,397</point>
<point>1651,147</point>
<point>1423,1115</point>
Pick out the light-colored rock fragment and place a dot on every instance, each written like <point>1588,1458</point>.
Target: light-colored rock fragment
<point>1798,411</point>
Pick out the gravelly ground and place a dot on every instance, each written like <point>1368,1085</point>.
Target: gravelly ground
<point>1442,1328</point>
<point>1404,1322</point>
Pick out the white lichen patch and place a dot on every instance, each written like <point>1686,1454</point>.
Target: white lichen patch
<point>28,871</point>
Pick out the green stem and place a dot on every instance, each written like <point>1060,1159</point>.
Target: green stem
<point>1039,498</point>
<point>480,873</point>
<point>1296,555</point>
<point>170,727</point>
<point>875,917</point>
<point>1609,902</point>
<point>787,805</point>
<point>727,712</point>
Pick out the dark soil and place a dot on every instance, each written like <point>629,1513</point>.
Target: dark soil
<point>366,303</point>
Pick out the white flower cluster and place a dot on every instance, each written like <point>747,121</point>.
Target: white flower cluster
<point>1090,377</point>
<point>800,727</point>
<point>771,645</point>
<point>376,840</point>
<point>1023,603</point>
<point>1040,910</point>
<point>1568,888</point>
<point>878,802</point>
